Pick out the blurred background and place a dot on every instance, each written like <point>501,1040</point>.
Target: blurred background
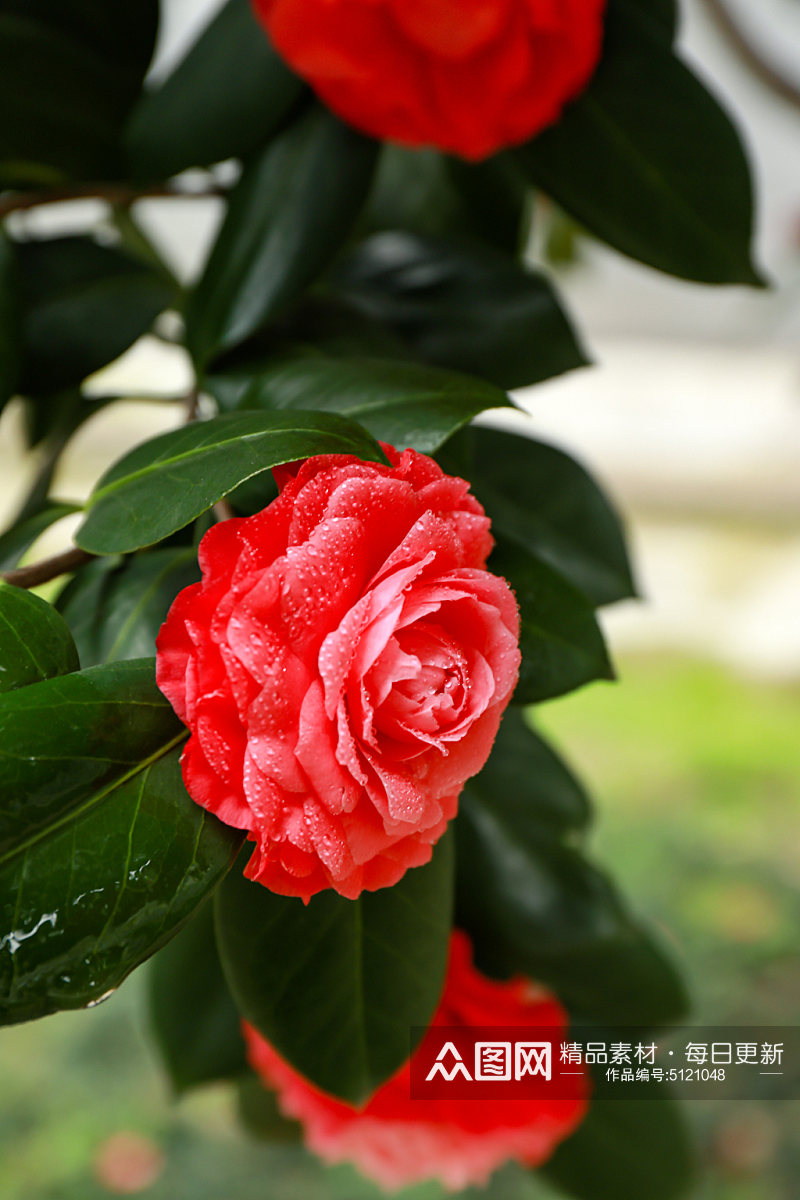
<point>691,418</point>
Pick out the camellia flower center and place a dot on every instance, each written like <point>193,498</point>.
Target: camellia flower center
<point>423,685</point>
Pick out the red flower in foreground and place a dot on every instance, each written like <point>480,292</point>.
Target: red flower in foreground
<point>468,76</point>
<point>343,667</point>
<point>398,1140</point>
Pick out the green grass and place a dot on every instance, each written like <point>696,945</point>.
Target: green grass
<point>696,776</point>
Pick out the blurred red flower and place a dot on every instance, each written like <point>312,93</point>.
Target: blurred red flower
<point>398,1140</point>
<point>467,76</point>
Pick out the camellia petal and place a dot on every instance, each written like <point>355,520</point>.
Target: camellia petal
<point>342,667</point>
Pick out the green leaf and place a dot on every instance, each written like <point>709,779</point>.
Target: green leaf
<point>648,161</point>
<point>467,307</point>
<point>73,737</point>
<point>549,799</point>
<point>227,96</point>
<point>404,404</point>
<point>195,1021</point>
<point>10,334</point>
<point>427,193</point>
<point>83,304</point>
<point>115,610</point>
<point>166,482</point>
<point>533,905</point>
<point>336,985</point>
<point>91,896</point>
<point>626,1149</point>
<point>68,76</point>
<point>287,217</point>
<point>35,643</point>
<point>562,644</point>
<point>542,499</point>
<point>21,536</point>
<point>319,326</point>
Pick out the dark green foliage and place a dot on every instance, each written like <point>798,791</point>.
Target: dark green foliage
<point>402,403</point>
<point>336,985</point>
<point>277,237</point>
<point>69,73</point>
<point>472,308</point>
<point>82,305</point>
<point>223,100</point>
<point>648,161</point>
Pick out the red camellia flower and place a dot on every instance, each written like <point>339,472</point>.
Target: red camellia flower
<point>467,76</point>
<point>343,667</point>
<point>400,1140</point>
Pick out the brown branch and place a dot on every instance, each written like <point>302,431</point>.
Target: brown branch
<point>119,195</point>
<point>191,403</point>
<point>777,80</point>
<point>48,568</point>
<point>223,511</point>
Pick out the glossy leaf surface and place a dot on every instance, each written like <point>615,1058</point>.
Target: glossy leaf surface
<point>534,905</point>
<point>461,306</point>
<point>166,482</point>
<point>561,643</point>
<point>549,797</point>
<point>541,498</point>
<point>404,404</point>
<point>83,304</point>
<point>67,740</point>
<point>428,193</point>
<point>223,100</point>
<point>648,161</point>
<point>287,217</point>
<point>90,897</point>
<point>337,985</point>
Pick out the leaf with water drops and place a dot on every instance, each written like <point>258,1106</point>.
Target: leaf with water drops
<point>102,853</point>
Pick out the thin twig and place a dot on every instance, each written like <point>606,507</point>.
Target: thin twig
<point>191,403</point>
<point>223,511</point>
<point>48,568</point>
<point>112,193</point>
